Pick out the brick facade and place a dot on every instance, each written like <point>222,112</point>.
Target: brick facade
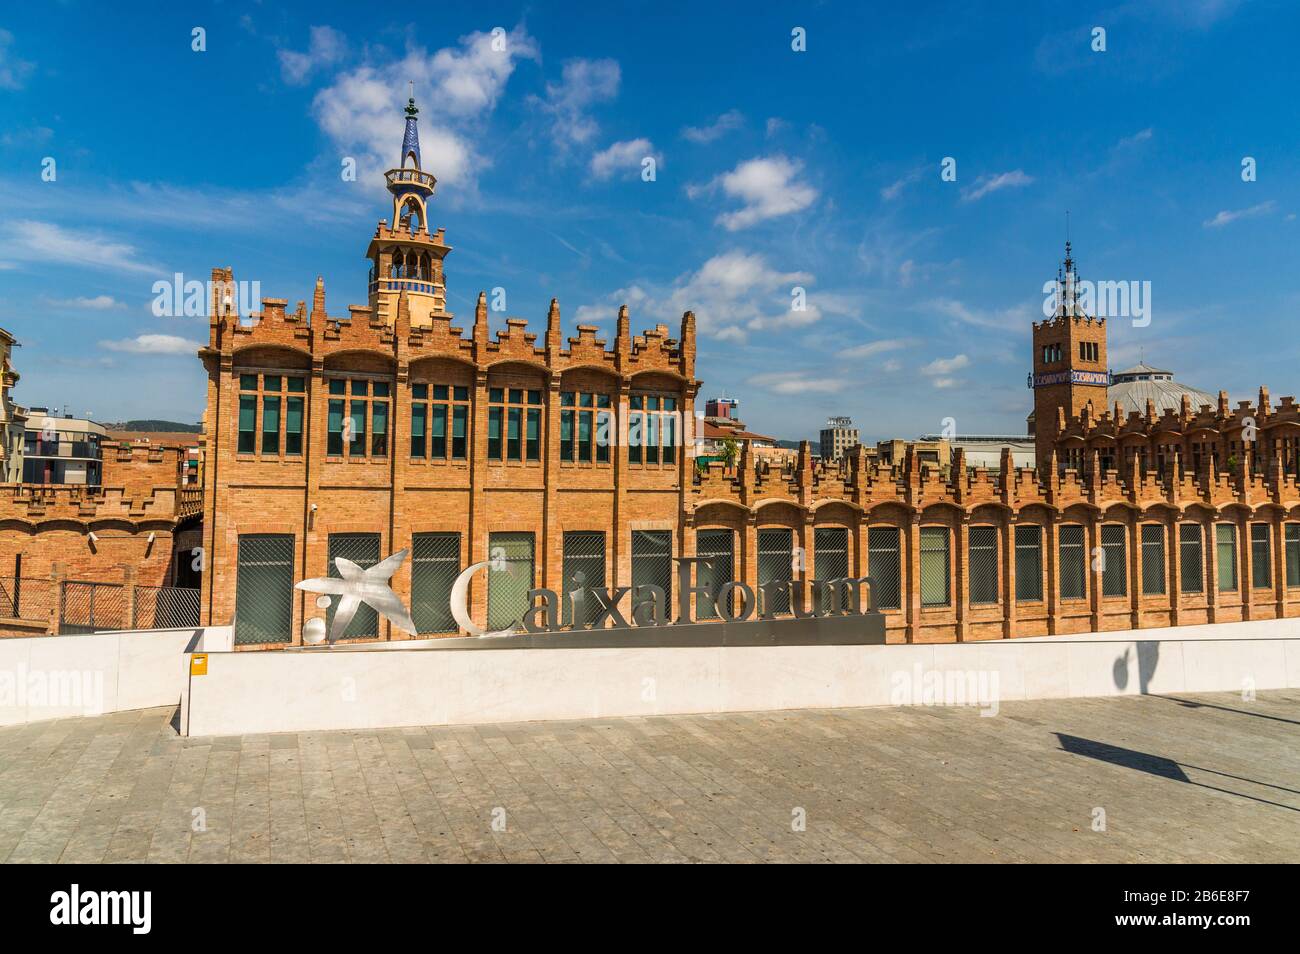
<point>1041,537</point>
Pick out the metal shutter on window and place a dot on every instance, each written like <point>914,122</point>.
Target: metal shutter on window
<point>510,577</point>
<point>363,550</point>
<point>584,566</point>
<point>264,589</point>
<point>435,564</point>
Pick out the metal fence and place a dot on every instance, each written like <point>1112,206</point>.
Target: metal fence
<point>28,599</point>
<point>87,607</point>
<point>165,607</point>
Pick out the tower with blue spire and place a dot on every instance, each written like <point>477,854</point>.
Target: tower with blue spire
<point>405,257</point>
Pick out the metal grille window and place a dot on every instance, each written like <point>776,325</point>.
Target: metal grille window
<point>831,562</point>
<point>264,589</point>
<point>653,429</point>
<point>935,570</point>
<point>357,422</point>
<point>435,564</point>
<point>1153,559</point>
<point>586,427</point>
<point>775,565</point>
<point>1261,567</point>
<point>280,399</point>
<point>983,560</point>
<point>652,562</point>
<point>1073,559</point>
<point>584,566</point>
<point>1191,558</point>
<point>1225,544</point>
<point>514,424</point>
<point>884,566</point>
<point>510,577</point>
<point>439,421</point>
<point>1292,532</point>
<point>718,547</point>
<point>1114,560</point>
<point>363,550</point>
<point>1029,563</point>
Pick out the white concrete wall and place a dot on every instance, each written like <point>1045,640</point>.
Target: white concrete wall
<point>303,691</point>
<point>54,677</point>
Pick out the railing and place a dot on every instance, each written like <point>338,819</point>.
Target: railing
<point>423,286</point>
<point>413,176</point>
<point>27,600</point>
<point>32,606</point>
<point>189,501</point>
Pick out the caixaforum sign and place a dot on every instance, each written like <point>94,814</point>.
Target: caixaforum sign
<point>830,612</point>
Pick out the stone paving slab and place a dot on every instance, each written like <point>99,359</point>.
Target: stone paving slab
<point>1208,778</point>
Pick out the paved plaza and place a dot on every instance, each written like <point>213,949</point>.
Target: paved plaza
<point>1200,778</point>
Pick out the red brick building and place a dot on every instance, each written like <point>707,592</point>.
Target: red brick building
<point>565,463</point>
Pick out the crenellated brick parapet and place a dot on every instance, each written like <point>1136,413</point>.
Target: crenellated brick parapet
<point>321,335</point>
<point>36,504</point>
<point>1226,438</point>
<point>917,486</point>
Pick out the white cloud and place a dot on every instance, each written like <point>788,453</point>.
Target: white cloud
<point>986,185</point>
<point>873,348</point>
<point>731,294</point>
<point>32,241</point>
<point>941,367</point>
<point>1013,320</point>
<point>325,48</point>
<point>97,303</point>
<point>731,120</point>
<point>892,191</point>
<point>1226,217</point>
<point>360,111</point>
<point>13,71</point>
<point>766,186</point>
<point>622,156</point>
<point>583,84</point>
<point>154,344</point>
<point>798,382</point>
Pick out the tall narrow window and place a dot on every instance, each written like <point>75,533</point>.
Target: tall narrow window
<point>935,570</point>
<point>419,425</point>
<point>983,565</point>
<point>247,423</point>
<point>1261,565</point>
<point>652,563</point>
<point>1114,556</point>
<point>510,577</point>
<point>1029,563</point>
<point>1225,544</point>
<point>435,564</point>
<point>775,566</point>
<point>293,426</point>
<point>1073,562</point>
<point>884,566</point>
<point>583,568</point>
<point>264,589</point>
<point>1153,559</point>
<point>334,440</point>
<point>270,424</point>
<point>718,547</point>
<point>1191,558</point>
<point>1292,531</point>
<point>831,562</point>
<point>363,550</point>
<point>379,421</point>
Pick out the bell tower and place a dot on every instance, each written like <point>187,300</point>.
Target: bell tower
<point>405,256</point>
<point>1069,363</point>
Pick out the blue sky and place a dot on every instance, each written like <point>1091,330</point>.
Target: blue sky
<point>774,169</point>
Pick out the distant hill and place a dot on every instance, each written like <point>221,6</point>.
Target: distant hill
<point>148,426</point>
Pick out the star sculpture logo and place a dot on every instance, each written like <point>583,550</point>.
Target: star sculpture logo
<point>357,586</point>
